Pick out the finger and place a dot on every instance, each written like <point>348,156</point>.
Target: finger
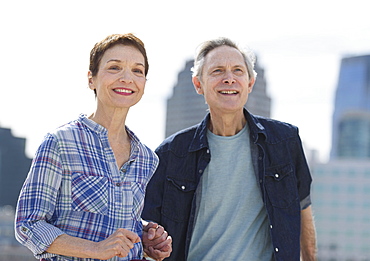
<point>159,231</point>
<point>159,254</point>
<point>124,250</point>
<point>133,237</point>
<point>165,245</point>
<point>152,233</point>
<point>160,239</point>
<point>150,225</point>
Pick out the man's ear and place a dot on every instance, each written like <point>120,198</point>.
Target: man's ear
<point>197,85</point>
<point>251,84</point>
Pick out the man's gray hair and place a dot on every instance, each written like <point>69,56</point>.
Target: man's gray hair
<point>206,47</point>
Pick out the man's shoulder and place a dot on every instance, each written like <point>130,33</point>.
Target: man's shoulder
<point>179,140</point>
<point>273,123</point>
<point>274,128</point>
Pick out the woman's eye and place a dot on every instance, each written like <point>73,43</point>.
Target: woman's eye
<point>138,71</point>
<point>114,68</point>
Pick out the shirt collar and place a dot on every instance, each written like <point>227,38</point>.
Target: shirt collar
<point>92,125</point>
<point>200,141</point>
<point>102,131</point>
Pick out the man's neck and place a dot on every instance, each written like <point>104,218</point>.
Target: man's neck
<point>227,124</point>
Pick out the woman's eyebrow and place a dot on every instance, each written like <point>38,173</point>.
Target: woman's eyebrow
<point>118,61</point>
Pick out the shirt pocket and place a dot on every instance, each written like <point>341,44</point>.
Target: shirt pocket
<point>89,193</point>
<point>178,197</point>
<point>281,186</point>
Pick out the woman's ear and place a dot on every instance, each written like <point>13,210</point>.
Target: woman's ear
<point>197,85</point>
<point>90,80</point>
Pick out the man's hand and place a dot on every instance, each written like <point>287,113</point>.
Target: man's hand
<point>156,241</point>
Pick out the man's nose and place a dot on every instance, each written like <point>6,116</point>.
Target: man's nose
<point>229,78</point>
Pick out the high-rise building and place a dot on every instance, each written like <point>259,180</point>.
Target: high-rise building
<point>14,166</point>
<point>185,107</point>
<point>351,118</point>
<point>341,187</point>
<point>341,205</point>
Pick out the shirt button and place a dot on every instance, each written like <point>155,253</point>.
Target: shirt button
<point>276,175</point>
<point>276,249</point>
<point>118,184</point>
<point>271,226</point>
<point>183,187</point>
<point>207,151</point>
<point>200,171</point>
<point>24,229</point>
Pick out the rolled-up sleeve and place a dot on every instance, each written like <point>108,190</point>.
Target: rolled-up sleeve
<point>304,177</point>
<point>37,199</point>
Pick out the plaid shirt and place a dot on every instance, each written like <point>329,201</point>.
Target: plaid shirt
<point>75,187</point>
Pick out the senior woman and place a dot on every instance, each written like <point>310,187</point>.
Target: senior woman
<point>84,193</point>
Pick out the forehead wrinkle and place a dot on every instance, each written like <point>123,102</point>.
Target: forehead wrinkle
<point>224,55</point>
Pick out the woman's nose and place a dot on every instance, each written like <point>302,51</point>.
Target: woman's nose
<point>126,77</point>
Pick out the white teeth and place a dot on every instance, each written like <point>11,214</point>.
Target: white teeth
<point>229,92</point>
<point>123,90</point>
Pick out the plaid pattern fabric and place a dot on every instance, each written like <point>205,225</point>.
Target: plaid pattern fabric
<point>75,187</point>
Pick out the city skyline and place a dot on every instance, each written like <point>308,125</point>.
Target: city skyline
<point>46,45</point>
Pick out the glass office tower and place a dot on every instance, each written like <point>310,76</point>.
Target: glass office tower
<point>351,118</point>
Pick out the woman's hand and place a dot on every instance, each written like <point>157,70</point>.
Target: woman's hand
<point>118,244</point>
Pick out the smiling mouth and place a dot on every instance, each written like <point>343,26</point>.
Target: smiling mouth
<point>228,92</point>
<point>123,91</point>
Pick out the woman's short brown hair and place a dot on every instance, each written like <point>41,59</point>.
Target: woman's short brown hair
<point>101,47</point>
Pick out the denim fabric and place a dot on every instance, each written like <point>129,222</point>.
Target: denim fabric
<point>280,167</point>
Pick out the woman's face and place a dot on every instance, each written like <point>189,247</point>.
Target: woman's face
<point>120,81</point>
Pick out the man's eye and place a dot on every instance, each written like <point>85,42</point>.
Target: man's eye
<point>239,71</point>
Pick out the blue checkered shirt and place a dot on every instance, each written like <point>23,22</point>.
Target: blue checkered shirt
<point>75,187</point>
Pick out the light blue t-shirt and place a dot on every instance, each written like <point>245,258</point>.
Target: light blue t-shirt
<point>231,221</point>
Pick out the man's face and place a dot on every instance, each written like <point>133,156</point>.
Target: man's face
<point>225,82</point>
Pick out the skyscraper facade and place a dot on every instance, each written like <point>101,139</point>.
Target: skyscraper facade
<point>351,117</point>
<point>185,107</point>
<point>14,166</point>
<point>341,205</point>
<point>341,187</point>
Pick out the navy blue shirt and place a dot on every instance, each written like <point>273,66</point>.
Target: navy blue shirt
<point>280,167</point>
